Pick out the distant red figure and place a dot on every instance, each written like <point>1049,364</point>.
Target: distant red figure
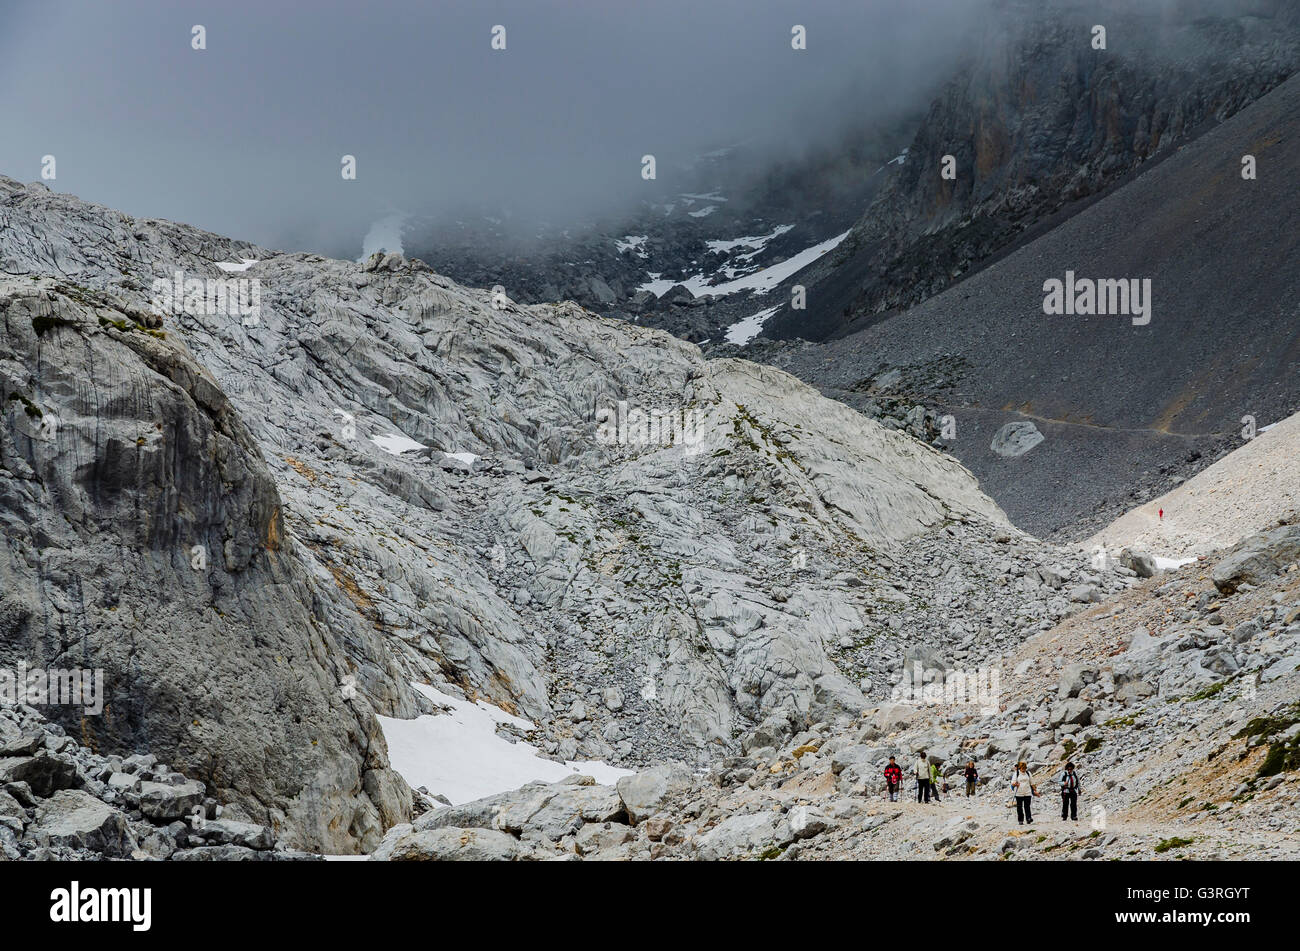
<point>1162,513</point>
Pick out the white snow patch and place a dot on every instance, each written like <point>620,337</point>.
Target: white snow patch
<point>396,443</point>
<point>900,159</point>
<point>660,285</point>
<point>711,196</point>
<point>704,212</point>
<point>1171,564</point>
<point>244,265</point>
<point>760,282</point>
<point>756,242</point>
<point>460,756</point>
<point>466,457</point>
<point>763,281</point>
<point>743,331</point>
<point>632,242</point>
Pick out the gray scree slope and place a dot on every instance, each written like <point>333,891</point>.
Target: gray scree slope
<point>638,602</point>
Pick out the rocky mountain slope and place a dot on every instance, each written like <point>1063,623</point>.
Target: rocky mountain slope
<point>1126,409</point>
<point>1178,702</point>
<point>416,482</point>
<point>677,256</point>
<point>1038,125</point>
<point>1244,492</point>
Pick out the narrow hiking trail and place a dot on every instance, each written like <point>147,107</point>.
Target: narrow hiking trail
<point>1246,491</point>
<point>912,830</point>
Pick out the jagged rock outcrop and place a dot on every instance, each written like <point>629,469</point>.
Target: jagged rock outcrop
<point>144,538</point>
<point>1038,121</point>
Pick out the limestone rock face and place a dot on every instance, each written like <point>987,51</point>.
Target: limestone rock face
<point>146,539</point>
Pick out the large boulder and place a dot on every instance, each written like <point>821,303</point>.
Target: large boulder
<point>648,791</point>
<point>745,836</point>
<point>1070,712</point>
<point>806,822</point>
<point>479,814</point>
<point>229,832</point>
<point>892,717</point>
<point>770,734</point>
<point>597,837</point>
<point>450,844</point>
<point>1016,439</point>
<point>1054,576</point>
<point>835,698</point>
<point>45,773</point>
<point>1134,691</point>
<point>677,294</point>
<point>74,819</point>
<point>1139,562</point>
<point>164,802</point>
<point>236,853</point>
<point>1257,558</point>
<point>1074,678</point>
<point>1085,594</point>
<point>861,757</point>
<point>561,809</point>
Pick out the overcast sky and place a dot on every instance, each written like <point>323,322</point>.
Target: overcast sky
<point>245,138</point>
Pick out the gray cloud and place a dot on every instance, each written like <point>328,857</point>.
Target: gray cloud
<point>246,137</point>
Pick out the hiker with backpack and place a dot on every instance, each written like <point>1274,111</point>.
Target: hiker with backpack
<point>936,781</point>
<point>1070,790</point>
<point>922,770</point>
<point>893,779</point>
<point>1022,785</point>
<point>972,777</point>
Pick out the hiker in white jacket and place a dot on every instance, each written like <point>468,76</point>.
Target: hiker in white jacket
<point>922,770</point>
<point>1022,785</point>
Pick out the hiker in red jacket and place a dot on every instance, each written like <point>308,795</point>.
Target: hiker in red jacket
<point>893,779</point>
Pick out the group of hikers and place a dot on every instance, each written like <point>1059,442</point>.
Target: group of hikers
<point>1023,786</point>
